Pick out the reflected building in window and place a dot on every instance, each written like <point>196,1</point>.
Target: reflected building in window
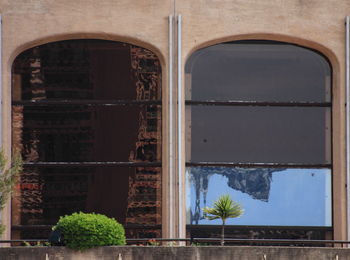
<point>87,120</point>
<point>144,198</point>
<point>254,182</point>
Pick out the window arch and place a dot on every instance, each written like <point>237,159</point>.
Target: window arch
<point>86,117</point>
<point>258,126</point>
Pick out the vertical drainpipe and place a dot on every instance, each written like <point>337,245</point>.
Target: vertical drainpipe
<point>171,181</point>
<point>5,215</point>
<point>179,127</point>
<point>347,82</point>
<point>1,101</point>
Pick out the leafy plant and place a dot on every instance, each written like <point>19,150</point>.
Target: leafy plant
<point>87,230</point>
<point>8,177</point>
<point>153,242</point>
<point>224,208</point>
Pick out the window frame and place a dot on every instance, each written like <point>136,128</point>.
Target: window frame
<point>252,103</point>
<point>66,102</point>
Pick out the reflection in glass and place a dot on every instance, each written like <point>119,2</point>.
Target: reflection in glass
<point>260,71</point>
<point>62,112</point>
<point>85,70</point>
<point>270,196</point>
<point>46,193</point>
<point>89,133</point>
<point>258,134</point>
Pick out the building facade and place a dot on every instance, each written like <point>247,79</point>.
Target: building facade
<point>148,110</point>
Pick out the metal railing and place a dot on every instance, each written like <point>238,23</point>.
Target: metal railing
<point>207,241</point>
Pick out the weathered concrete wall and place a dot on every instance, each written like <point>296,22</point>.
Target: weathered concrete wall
<point>175,253</point>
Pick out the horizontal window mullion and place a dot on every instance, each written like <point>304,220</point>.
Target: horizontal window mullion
<point>258,165</point>
<point>258,103</point>
<point>126,226</point>
<point>79,164</point>
<point>259,227</point>
<point>85,102</point>
<point>26,227</point>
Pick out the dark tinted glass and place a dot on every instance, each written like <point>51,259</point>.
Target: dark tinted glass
<point>260,71</point>
<point>278,197</point>
<point>46,193</point>
<point>77,82</point>
<point>258,134</point>
<point>88,133</point>
<point>87,69</point>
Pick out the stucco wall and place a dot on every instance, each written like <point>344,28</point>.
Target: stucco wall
<point>317,24</point>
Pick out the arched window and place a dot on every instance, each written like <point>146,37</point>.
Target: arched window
<point>87,120</point>
<point>258,127</point>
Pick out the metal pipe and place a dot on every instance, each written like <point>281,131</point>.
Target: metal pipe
<point>259,165</point>
<point>233,240</point>
<point>1,87</point>
<point>106,163</point>
<point>85,102</point>
<point>347,82</point>
<point>243,240</point>
<point>179,127</point>
<point>171,131</point>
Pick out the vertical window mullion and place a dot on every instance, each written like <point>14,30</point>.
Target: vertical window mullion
<point>171,172</point>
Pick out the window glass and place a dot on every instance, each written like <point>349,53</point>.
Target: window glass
<point>86,117</point>
<point>89,133</point>
<point>259,71</point>
<point>81,70</point>
<point>49,192</point>
<point>257,104</point>
<point>269,196</point>
<point>258,134</point>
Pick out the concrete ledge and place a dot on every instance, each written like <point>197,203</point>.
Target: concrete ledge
<point>175,253</point>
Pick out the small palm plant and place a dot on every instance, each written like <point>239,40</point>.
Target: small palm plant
<point>224,208</point>
<point>8,178</point>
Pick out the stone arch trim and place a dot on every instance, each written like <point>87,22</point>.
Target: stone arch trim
<point>80,36</point>
<point>328,53</point>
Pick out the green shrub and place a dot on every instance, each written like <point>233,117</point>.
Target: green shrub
<point>82,231</point>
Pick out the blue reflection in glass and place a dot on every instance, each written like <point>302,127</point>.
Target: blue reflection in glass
<point>269,196</point>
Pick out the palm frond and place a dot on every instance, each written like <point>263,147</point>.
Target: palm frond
<point>224,208</point>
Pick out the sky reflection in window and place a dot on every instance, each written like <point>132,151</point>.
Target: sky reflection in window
<point>269,196</point>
